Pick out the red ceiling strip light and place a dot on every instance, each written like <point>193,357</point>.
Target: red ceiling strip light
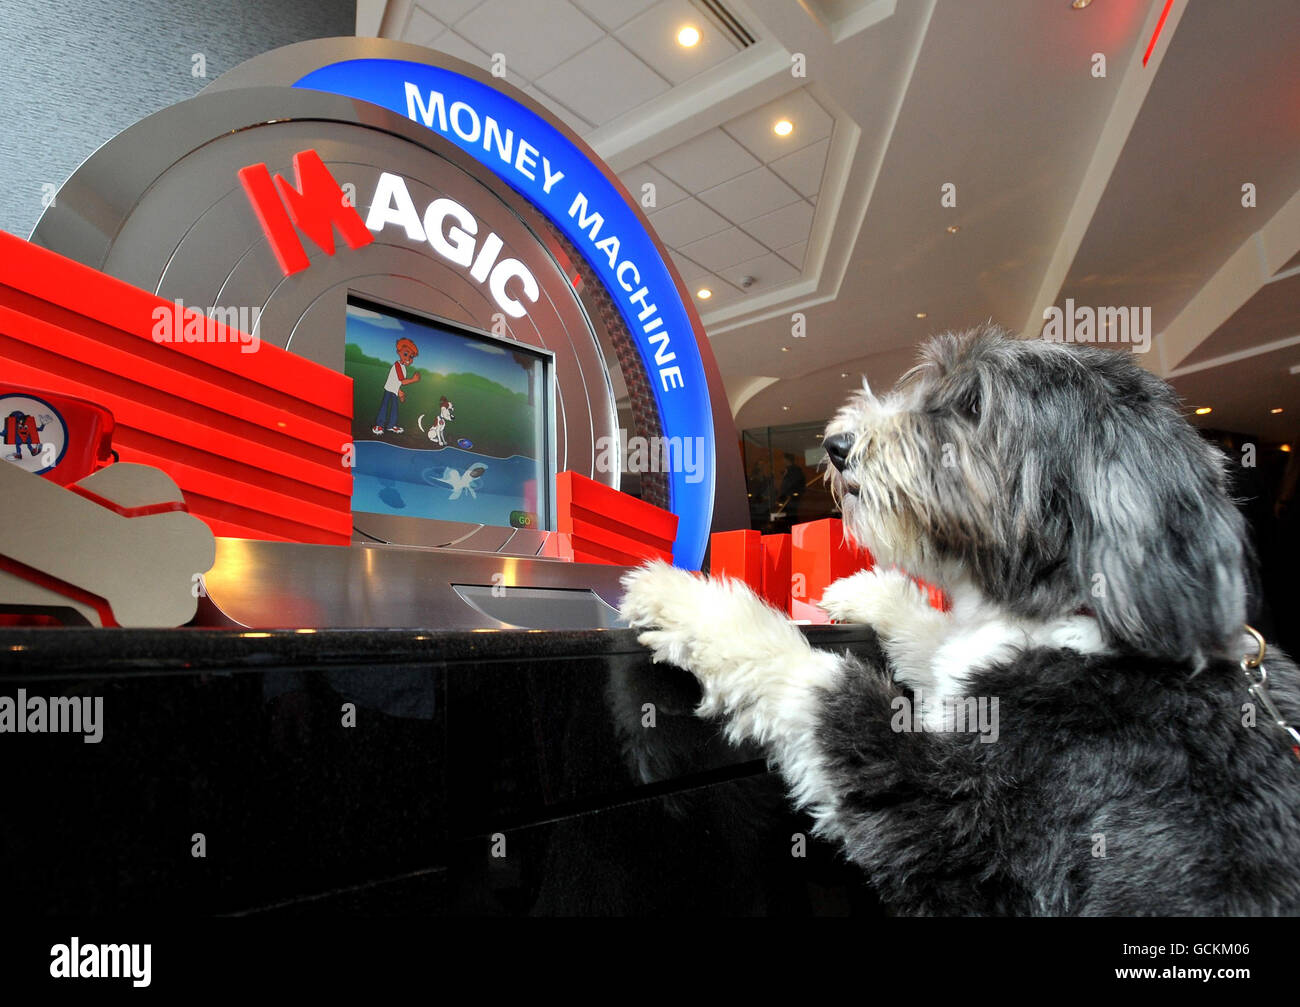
<point>1159,28</point>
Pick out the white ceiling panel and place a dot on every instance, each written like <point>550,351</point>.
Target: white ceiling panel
<point>782,227</point>
<point>421,27</point>
<point>452,44</point>
<point>614,13</point>
<point>571,118</point>
<point>1002,105</point>
<point>726,248</point>
<point>534,37</point>
<point>750,195</point>
<point>804,169</point>
<point>689,270</point>
<point>696,277</point>
<point>666,192</point>
<point>754,129</point>
<point>653,37</point>
<point>768,271</point>
<point>705,161</point>
<point>720,291</point>
<point>794,254</point>
<point>603,82</point>
<point>723,294</point>
<point>686,221</point>
<point>448,11</point>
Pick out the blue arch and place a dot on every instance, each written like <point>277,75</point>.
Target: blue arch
<point>451,104</point>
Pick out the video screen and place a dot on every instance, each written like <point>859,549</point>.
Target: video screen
<point>448,424</point>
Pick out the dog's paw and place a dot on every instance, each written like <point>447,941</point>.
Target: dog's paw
<point>883,599</point>
<point>670,646</point>
<point>668,604</point>
<point>653,594</point>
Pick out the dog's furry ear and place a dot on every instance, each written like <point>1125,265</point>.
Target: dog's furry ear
<point>1159,547</point>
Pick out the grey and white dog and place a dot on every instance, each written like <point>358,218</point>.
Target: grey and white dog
<point>1097,571</point>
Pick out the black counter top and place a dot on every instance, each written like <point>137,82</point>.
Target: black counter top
<point>154,650</point>
<point>393,772</point>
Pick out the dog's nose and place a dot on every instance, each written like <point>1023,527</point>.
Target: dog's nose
<point>838,448</point>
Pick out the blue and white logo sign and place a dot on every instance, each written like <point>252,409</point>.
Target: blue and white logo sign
<point>541,163</point>
<point>35,435</point>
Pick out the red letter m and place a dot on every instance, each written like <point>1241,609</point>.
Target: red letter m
<point>316,206</point>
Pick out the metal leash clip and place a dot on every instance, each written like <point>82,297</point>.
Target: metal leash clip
<point>1257,676</point>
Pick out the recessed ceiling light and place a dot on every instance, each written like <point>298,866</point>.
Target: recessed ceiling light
<point>1204,411</point>
<point>785,349</point>
<point>704,293</point>
<point>922,314</point>
<point>844,374</point>
<point>954,228</point>
<point>783,127</point>
<point>1275,411</point>
<point>688,36</point>
<point>785,408</point>
<point>1079,4</point>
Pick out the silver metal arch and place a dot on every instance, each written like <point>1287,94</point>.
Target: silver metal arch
<point>160,207</point>
<point>293,62</point>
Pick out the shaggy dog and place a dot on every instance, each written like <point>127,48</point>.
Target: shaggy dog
<point>1097,572</point>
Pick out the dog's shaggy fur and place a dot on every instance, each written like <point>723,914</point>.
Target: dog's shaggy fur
<point>1097,571</point>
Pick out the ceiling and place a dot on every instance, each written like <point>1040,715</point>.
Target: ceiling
<point>1114,190</point>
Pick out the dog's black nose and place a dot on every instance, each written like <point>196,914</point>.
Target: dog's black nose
<point>838,448</point>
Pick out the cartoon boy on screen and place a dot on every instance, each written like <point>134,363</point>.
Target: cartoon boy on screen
<point>407,351</point>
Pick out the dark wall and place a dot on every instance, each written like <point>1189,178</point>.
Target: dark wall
<point>74,73</point>
<point>1267,494</point>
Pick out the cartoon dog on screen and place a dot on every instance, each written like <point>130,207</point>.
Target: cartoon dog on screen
<point>446,413</point>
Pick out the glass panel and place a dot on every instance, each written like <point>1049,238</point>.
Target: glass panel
<point>784,476</point>
<point>466,443</point>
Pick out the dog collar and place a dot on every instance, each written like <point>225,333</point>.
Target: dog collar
<point>1252,667</point>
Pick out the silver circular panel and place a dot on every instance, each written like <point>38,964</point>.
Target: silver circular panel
<point>161,207</point>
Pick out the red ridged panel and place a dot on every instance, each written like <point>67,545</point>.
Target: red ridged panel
<point>778,551</point>
<point>607,526</point>
<point>820,555</point>
<point>588,534</point>
<point>737,554</point>
<point>254,440</point>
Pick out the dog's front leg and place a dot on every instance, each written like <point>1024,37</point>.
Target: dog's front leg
<point>754,666</point>
<point>898,609</point>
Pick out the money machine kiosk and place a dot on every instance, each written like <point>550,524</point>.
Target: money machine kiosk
<point>495,302</point>
<point>382,327</point>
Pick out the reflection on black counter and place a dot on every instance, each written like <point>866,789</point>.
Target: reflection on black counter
<point>397,772</point>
